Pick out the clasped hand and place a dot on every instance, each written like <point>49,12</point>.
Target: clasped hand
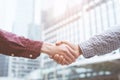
<point>62,52</point>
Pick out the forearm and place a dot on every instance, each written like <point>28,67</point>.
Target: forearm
<point>101,44</point>
<point>46,48</point>
<point>13,45</point>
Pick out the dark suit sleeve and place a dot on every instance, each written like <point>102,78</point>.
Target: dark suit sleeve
<point>13,45</point>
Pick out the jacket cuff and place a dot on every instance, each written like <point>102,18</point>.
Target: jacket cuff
<point>87,49</point>
<point>32,48</point>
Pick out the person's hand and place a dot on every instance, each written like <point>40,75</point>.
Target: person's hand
<point>61,54</point>
<point>61,58</point>
<point>74,49</point>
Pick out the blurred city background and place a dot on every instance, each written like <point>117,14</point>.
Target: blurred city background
<point>54,20</point>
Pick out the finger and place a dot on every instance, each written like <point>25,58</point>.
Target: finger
<point>68,59</point>
<point>68,43</point>
<point>73,52</point>
<point>61,58</point>
<point>70,55</point>
<point>56,57</point>
<point>65,62</point>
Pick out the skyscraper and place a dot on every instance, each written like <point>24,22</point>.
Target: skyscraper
<point>24,26</point>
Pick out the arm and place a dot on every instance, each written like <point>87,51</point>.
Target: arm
<point>97,45</point>
<point>13,45</point>
<point>101,44</point>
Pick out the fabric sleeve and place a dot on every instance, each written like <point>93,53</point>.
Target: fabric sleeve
<point>13,45</point>
<point>102,43</point>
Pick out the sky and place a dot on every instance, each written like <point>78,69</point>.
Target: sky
<point>7,13</point>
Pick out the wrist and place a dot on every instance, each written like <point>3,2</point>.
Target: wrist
<point>46,47</point>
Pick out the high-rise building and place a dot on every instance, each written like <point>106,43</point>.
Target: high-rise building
<point>21,18</point>
<point>5,23</point>
<point>77,24</point>
<point>24,25</point>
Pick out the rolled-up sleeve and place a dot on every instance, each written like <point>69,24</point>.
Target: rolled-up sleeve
<point>18,46</point>
<point>102,43</point>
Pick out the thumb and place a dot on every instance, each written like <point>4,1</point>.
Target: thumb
<point>68,43</point>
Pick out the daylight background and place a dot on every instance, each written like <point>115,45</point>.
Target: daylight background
<point>53,20</point>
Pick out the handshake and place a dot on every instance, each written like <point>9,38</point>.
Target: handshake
<point>62,52</point>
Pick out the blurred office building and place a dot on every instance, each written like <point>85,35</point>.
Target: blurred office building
<point>23,24</point>
<point>77,22</point>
